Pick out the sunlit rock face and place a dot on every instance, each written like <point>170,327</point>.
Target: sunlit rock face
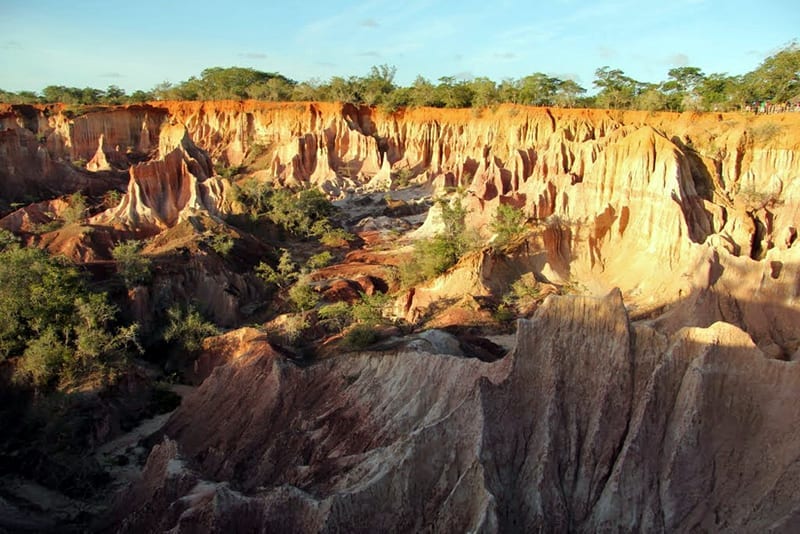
<point>674,209</point>
<point>660,406</point>
<point>170,187</point>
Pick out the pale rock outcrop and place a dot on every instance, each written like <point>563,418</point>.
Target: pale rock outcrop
<point>382,180</point>
<point>106,159</point>
<point>163,191</point>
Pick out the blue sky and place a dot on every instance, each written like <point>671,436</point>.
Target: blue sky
<point>145,42</point>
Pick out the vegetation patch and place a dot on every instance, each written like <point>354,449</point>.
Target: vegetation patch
<point>433,256</point>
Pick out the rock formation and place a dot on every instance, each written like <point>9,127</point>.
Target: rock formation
<point>673,191</point>
<point>660,407</point>
<point>168,188</point>
<point>591,423</point>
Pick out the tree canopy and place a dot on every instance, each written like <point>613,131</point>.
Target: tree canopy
<point>777,79</point>
<point>49,316</point>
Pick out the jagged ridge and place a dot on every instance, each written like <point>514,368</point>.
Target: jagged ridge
<point>591,423</point>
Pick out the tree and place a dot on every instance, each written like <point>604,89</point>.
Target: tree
<point>680,90</point>
<point>484,92</point>
<point>277,89</point>
<point>508,91</point>
<point>717,91</point>
<point>538,89</point>
<point>76,209</point>
<point>508,223</point>
<point>378,84</point>
<point>21,97</point>
<point>454,94</point>
<point>308,91</point>
<point>141,97</point>
<point>187,328</point>
<point>568,92</point>
<point>684,79</point>
<point>777,78</point>
<point>423,93</point>
<point>114,95</point>
<point>59,93</point>
<point>653,99</point>
<point>218,83</point>
<point>163,91</point>
<point>616,90</point>
<point>133,267</point>
<point>345,90</point>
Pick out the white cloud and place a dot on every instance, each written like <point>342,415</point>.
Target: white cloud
<point>678,60</point>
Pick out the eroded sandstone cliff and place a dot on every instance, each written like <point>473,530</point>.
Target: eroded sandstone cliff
<point>639,201</point>
<point>661,407</point>
<point>591,423</point>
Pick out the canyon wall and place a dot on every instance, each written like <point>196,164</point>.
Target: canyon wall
<point>666,405</point>
<point>591,423</point>
<point>674,209</point>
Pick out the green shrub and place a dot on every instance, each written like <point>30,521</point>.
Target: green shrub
<point>318,261</point>
<point>525,286</point>
<point>187,328</point>
<point>50,317</point>
<point>222,244</point>
<point>303,295</point>
<point>43,358</point>
<point>402,177</point>
<point>508,224</point>
<point>228,171</point>
<point>504,313</point>
<point>572,287</point>
<point>433,256</point>
<point>7,240</point>
<point>132,266</point>
<point>111,198</point>
<point>370,309</point>
<point>298,214</point>
<point>359,337</point>
<point>523,293</point>
<point>76,209</point>
<point>293,328</point>
<point>336,237</point>
<point>255,195</point>
<point>335,317</point>
<point>36,293</point>
<point>283,275</point>
<point>43,228</point>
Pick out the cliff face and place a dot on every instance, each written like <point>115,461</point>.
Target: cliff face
<point>590,424</point>
<point>172,186</point>
<point>593,422</point>
<point>641,201</point>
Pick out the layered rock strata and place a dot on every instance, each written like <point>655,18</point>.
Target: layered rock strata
<point>591,423</point>
<point>646,202</point>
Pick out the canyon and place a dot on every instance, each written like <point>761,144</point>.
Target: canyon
<point>649,387</point>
